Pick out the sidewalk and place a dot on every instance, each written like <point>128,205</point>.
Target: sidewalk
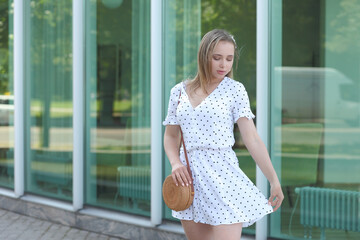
<point>14,226</point>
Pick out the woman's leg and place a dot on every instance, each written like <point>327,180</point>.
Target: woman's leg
<point>227,231</point>
<point>196,231</point>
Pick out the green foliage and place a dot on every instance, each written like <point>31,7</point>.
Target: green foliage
<point>301,33</point>
<point>4,46</point>
<point>50,52</point>
<point>4,76</point>
<point>239,18</point>
<point>347,28</point>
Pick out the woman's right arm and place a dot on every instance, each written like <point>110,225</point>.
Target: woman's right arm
<point>179,172</point>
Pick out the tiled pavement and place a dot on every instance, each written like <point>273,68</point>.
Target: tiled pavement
<point>14,226</point>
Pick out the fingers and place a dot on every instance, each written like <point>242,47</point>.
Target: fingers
<point>271,199</point>
<point>275,201</point>
<point>276,207</point>
<point>187,177</point>
<point>277,204</point>
<point>181,176</point>
<point>276,196</point>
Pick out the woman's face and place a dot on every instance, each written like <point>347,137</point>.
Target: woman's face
<point>222,60</point>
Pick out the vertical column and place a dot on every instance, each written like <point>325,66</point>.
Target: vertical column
<point>78,103</point>
<point>19,97</point>
<point>156,110</point>
<point>275,87</point>
<point>262,96</point>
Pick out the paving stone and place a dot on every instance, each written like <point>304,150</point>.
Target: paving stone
<point>14,226</point>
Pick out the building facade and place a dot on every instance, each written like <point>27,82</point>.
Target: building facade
<point>84,87</point>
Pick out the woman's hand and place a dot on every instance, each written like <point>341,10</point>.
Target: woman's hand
<point>276,196</point>
<point>180,174</point>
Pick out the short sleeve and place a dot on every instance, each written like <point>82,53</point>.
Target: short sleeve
<point>241,104</point>
<point>173,103</point>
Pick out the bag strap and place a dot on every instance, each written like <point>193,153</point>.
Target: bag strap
<point>185,152</point>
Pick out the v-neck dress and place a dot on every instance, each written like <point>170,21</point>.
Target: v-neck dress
<point>223,193</point>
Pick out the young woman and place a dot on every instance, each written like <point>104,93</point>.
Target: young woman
<point>206,108</point>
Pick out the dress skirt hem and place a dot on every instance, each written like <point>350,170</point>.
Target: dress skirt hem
<point>246,223</point>
<point>223,193</point>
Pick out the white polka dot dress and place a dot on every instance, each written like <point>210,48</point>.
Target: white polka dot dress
<point>223,193</point>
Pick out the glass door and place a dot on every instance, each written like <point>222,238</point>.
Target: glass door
<point>185,23</point>
<point>118,105</point>
<point>48,94</point>
<point>315,117</point>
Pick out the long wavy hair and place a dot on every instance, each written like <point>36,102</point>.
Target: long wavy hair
<point>206,48</point>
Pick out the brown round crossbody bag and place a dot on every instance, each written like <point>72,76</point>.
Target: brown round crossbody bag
<point>178,198</point>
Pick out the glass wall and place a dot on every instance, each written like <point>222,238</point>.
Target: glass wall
<point>48,104</point>
<point>118,105</point>
<point>6,95</point>
<point>315,117</point>
<point>185,23</point>
<point>315,103</point>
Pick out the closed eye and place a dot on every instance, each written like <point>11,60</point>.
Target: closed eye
<point>217,57</point>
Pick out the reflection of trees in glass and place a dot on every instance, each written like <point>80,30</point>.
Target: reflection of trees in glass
<point>346,25</point>
<point>301,33</point>
<point>51,48</point>
<point>4,46</point>
<point>114,80</point>
<point>114,29</point>
<point>49,65</point>
<point>239,18</point>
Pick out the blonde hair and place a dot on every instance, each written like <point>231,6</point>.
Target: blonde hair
<point>206,48</point>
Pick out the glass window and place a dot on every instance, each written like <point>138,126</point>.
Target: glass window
<point>315,117</point>
<point>6,95</point>
<point>118,105</point>
<point>49,98</point>
<point>185,23</point>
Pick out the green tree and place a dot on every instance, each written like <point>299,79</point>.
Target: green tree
<point>4,46</point>
<point>347,28</point>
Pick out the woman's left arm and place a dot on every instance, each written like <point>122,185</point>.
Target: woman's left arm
<point>259,153</point>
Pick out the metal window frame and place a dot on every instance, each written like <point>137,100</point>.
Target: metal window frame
<point>19,125</point>
<point>78,102</point>
<point>262,98</point>
<point>19,114</point>
<point>156,113</point>
<point>156,110</point>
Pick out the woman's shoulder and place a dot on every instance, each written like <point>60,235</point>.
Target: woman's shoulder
<point>181,85</point>
<point>235,85</point>
<point>177,87</point>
